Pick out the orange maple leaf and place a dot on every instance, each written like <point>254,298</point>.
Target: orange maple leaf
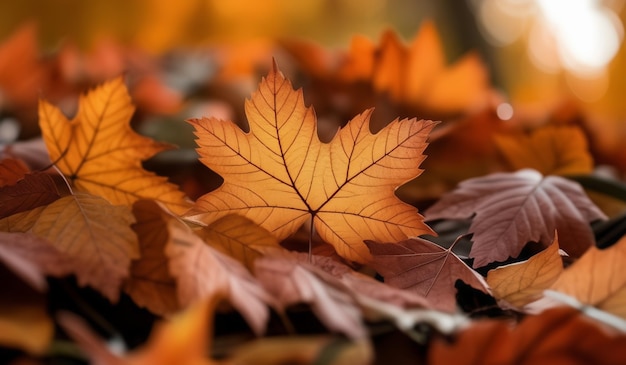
<point>100,153</point>
<point>280,174</point>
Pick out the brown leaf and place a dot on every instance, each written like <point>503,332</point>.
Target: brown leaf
<point>149,283</point>
<point>34,190</point>
<point>425,268</point>
<point>202,271</point>
<point>12,170</point>
<point>511,209</point>
<point>280,174</point>
<point>551,150</point>
<point>596,279</point>
<point>557,336</point>
<point>99,152</point>
<point>291,282</point>
<point>25,252</point>
<point>93,233</point>
<point>523,282</point>
<point>240,238</point>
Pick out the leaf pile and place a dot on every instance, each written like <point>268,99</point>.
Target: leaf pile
<point>305,243</point>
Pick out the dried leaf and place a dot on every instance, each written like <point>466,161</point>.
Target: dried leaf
<point>202,271</point>
<point>99,152</point>
<point>240,238</point>
<point>557,336</point>
<point>291,282</point>
<point>93,233</point>
<point>34,190</point>
<point>551,150</point>
<point>595,278</point>
<point>511,209</point>
<point>31,258</point>
<point>523,282</point>
<point>12,170</point>
<point>425,268</point>
<point>150,283</point>
<point>280,174</point>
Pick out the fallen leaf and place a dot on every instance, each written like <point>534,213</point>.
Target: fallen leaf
<point>425,268</point>
<point>557,336</point>
<point>595,278</point>
<point>31,258</point>
<point>149,283</point>
<point>511,209</point>
<point>202,271</point>
<point>292,283</point>
<point>417,74</point>
<point>12,170</point>
<point>184,339</point>
<point>99,153</point>
<point>240,238</point>
<point>93,233</point>
<point>523,282</point>
<point>551,150</point>
<point>280,174</point>
<point>32,191</point>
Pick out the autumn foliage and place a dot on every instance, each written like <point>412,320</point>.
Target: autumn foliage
<point>298,235</point>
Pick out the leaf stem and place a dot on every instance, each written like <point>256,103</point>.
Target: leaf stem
<point>311,231</point>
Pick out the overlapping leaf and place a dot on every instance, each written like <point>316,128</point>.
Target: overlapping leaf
<point>11,170</point>
<point>523,282</point>
<point>201,271</point>
<point>280,174</point>
<point>511,209</point>
<point>597,278</point>
<point>424,268</point>
<point>551,150</point>
<point>100,153</point>
<point>93,233</point>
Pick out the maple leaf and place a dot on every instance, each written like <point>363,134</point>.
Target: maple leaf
<point>280,174</point>
<point>557,336</point>
<point>99,152</point>
<point>89,230</point>
<point>521,283</point>
<point>417,74</point>
<point>291,283</point>
<point>511,209</point>
<point>202,271</point>
<point>150,283</point>
<point>595,278</point>
<point>424,268</point>
<point>551,150</point>
<point>33,191</point>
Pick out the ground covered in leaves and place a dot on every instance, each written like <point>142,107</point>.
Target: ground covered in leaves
<point>353,206</point>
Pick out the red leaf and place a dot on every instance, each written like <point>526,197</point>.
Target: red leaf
<point>512,209</point>
<point>292,282</point>
<point>34,190</point>
<point>425,268</point>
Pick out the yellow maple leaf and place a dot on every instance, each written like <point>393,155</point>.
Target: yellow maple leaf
<point>99,152</point>
<point>280,174</point>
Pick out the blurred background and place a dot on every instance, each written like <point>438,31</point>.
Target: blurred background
<point>535,49</point>
<point>529,61</point>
